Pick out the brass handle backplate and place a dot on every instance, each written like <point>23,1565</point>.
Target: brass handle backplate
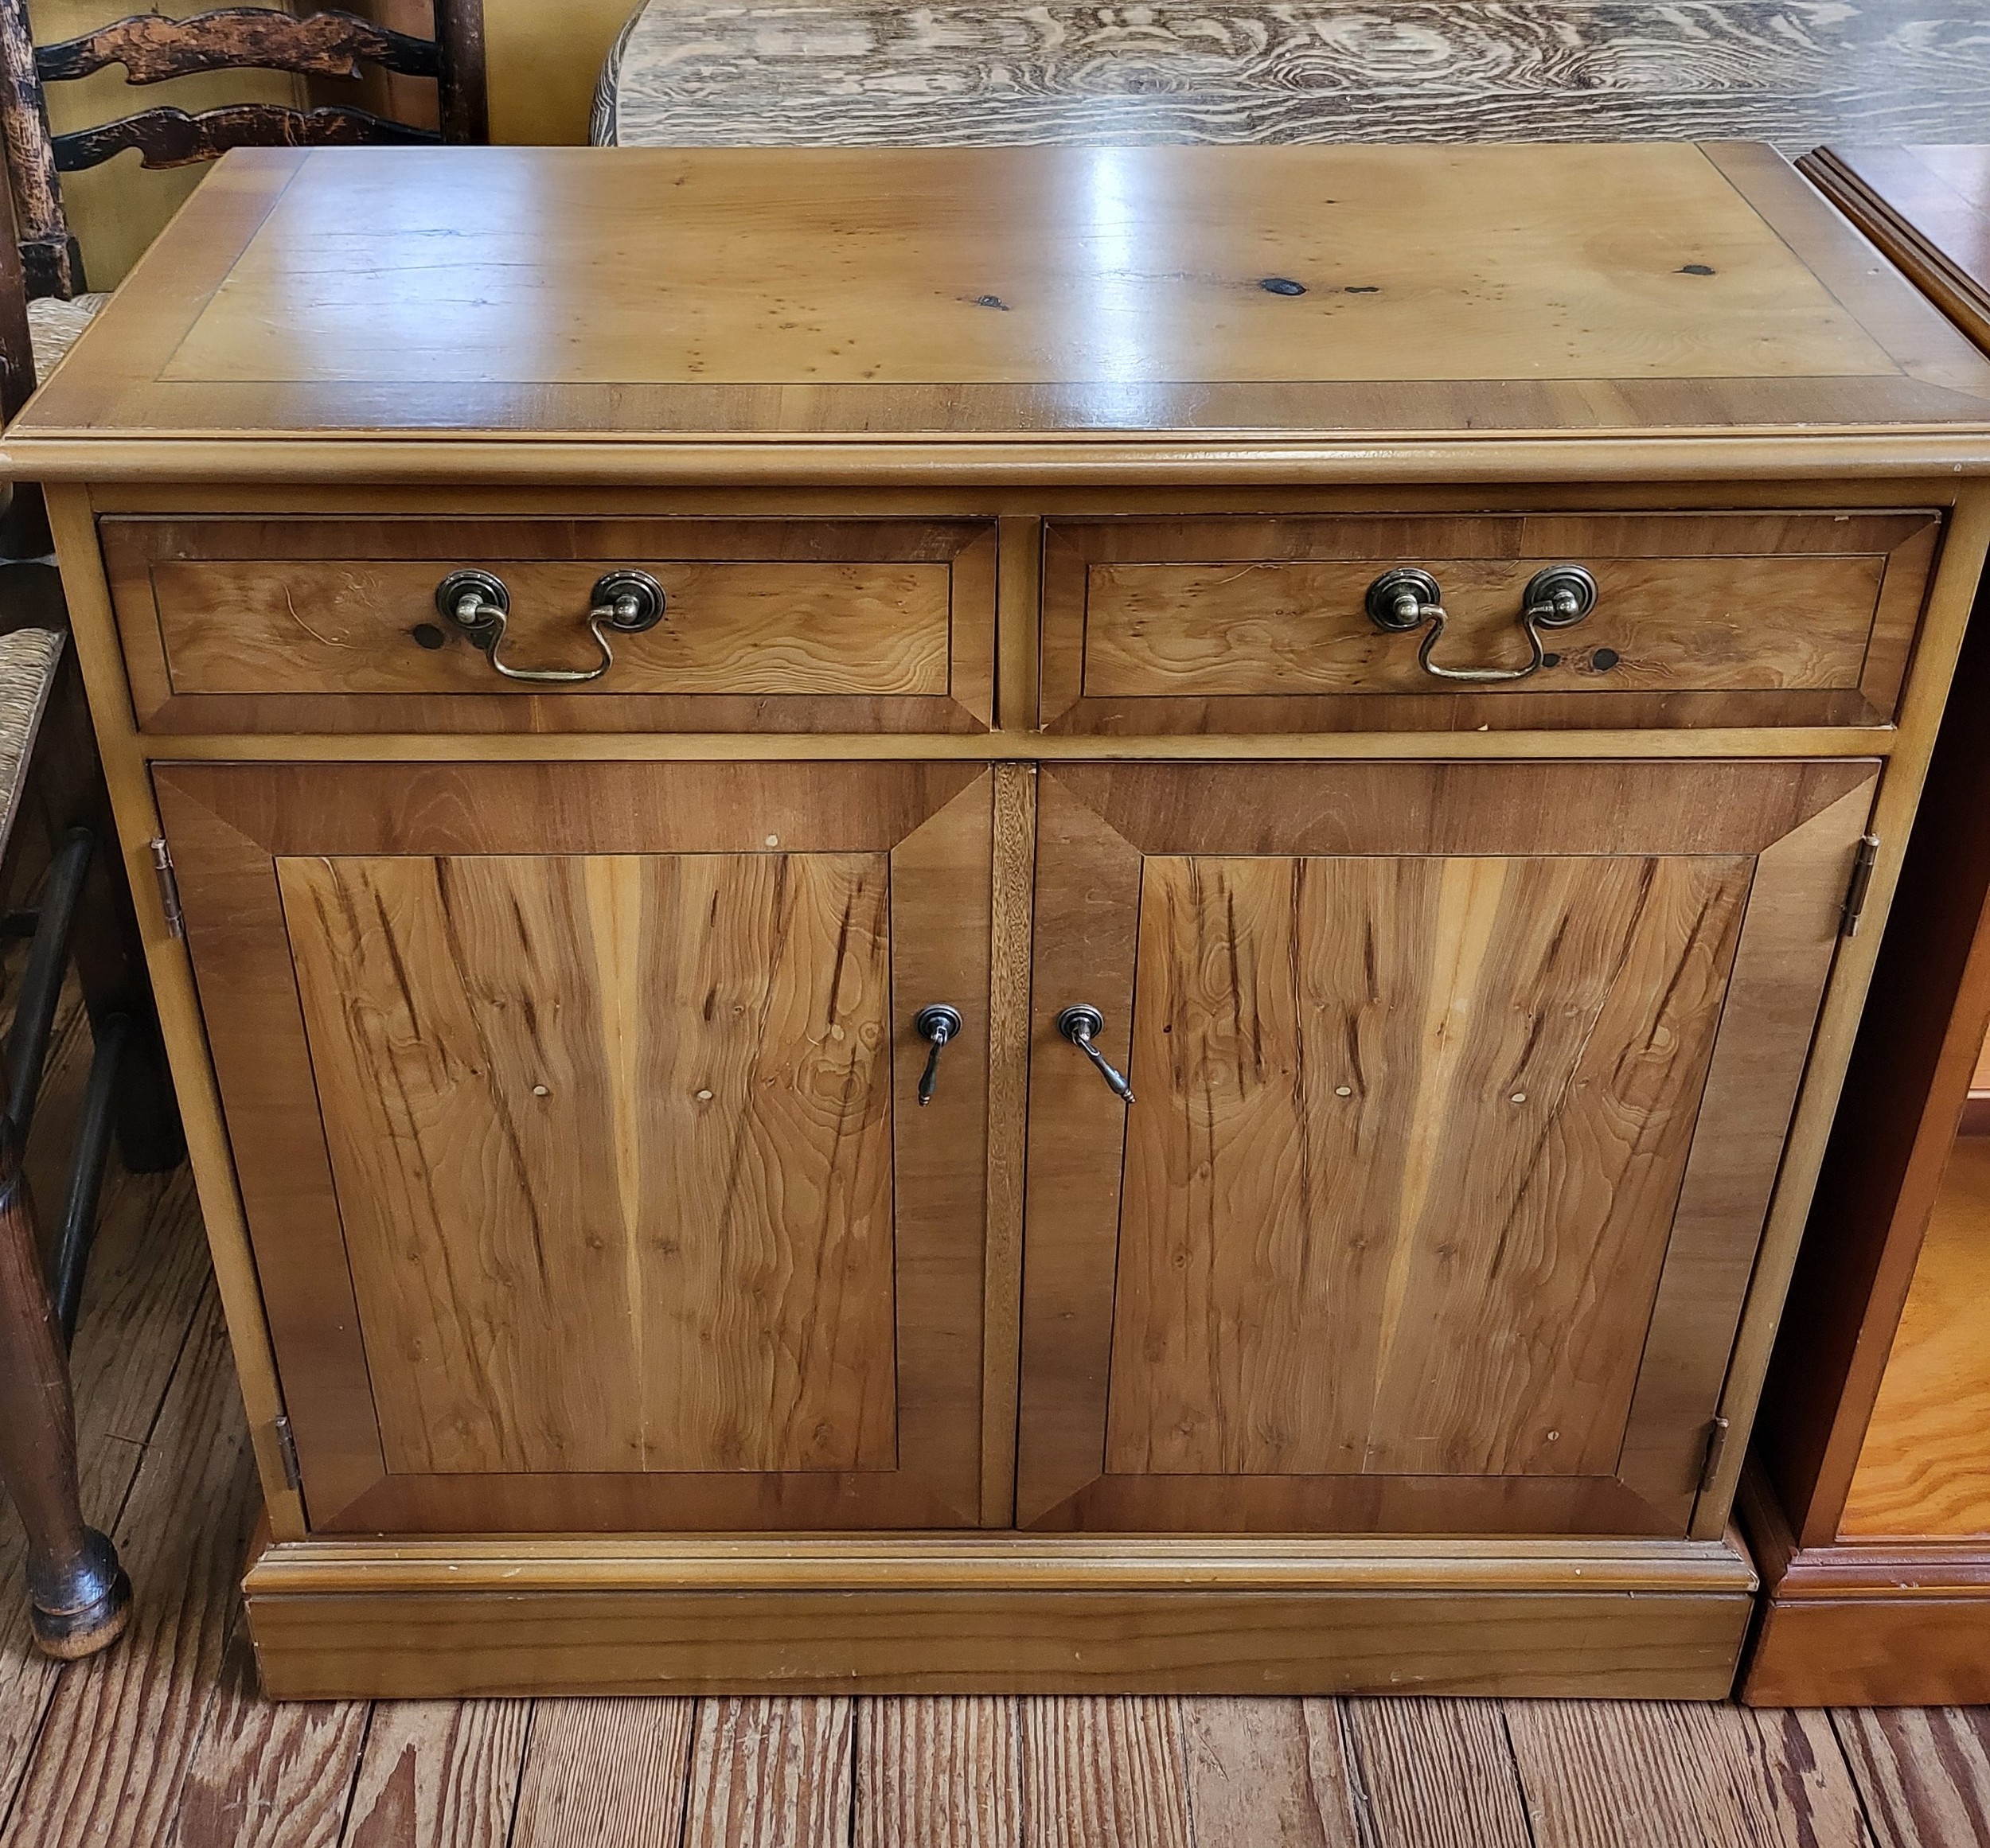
<point>1407,599</point>
<point>627,601</point>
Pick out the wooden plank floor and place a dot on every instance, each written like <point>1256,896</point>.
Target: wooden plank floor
<point>164,1741</point>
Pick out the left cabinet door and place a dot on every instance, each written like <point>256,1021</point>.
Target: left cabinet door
<point>573,1113</point>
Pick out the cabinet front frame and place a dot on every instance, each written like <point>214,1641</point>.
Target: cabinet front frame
<point>1688,478</point>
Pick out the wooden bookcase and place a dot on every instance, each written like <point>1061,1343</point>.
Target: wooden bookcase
<point>1868,1495</point>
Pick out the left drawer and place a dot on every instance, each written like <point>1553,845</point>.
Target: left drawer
<point>320,625</point>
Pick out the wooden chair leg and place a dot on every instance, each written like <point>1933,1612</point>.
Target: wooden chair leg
<point>109,954</point>
<point>81,1599</point>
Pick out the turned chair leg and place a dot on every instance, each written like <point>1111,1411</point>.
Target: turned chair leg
<point>80,1597</point>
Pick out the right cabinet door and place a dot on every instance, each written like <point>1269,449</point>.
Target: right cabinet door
<point>1461,1091</point>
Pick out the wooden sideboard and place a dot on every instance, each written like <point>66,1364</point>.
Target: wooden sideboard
<point>710,721</point>
<point>1869,1504</point>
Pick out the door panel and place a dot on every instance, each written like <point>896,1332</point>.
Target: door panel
<point>593,1224</point>
<point>1388,1241</point>
<point>617,1156</point>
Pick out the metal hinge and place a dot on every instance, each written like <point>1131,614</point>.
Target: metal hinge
<point>1716,1447</point>
<point>1861,865</point>
<point>286,1448</point>
<point>169,884</point>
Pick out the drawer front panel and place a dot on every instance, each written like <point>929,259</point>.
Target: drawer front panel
<point>1248,624</point>
<point>305,625</point>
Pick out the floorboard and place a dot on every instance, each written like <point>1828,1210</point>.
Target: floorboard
<point>1262,1770</point>
<point>769,1774</point>
<point>1682,1775</point>
<point>937,1773</point>
<point>442,1772</point>
<point>1439,1774</point>
<point>147,1272</point>
<point>604,1774</point>
<point>111,1758</point>
<point>265,1775</point>
<point>1103,1773</point>
<point>1925,1772</point>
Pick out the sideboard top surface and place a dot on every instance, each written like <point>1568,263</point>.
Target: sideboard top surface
<point>1054,300</point>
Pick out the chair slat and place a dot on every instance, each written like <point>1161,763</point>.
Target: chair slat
<point>172,138</point>
<point>152,48</point>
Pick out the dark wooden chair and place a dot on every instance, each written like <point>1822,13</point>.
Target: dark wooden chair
<point>59,853</point>
<point>318,45</point>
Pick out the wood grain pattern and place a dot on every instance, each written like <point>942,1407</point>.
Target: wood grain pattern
<point>1922,1470</point>
<point>1014,852</point>
<point>532,1378</point>
<point>611,1139</point>
<point>1262,1770</point>
<point>769,1774</point>
<point>265,1774</point>
<point>330,624</point>
<point>1681,1775</point>
<point>1260,626</point>
<point>330,43</point>
<point>1314,1278</point>
<point>703,280</point>
<point>603,1774</point>
<point>437,1771</point>
<point>108,1760</point>
<point>937,1773</point>
<point>1233,1337</point>
<point>1924,1772</point>
<point>1102,1773</point>
<point>1439,1771</point>
<point>687,71</point>
<point>148,1281</point>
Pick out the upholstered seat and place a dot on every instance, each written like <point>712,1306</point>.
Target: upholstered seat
<point>28,658</point>
<point>54,325</point>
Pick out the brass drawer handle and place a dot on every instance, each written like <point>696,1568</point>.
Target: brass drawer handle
<point>1407,599</point>
<point>627,601</point>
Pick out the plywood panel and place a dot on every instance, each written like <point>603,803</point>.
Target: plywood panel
<point>612,1138</point>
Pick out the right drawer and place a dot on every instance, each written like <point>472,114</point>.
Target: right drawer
<point>1278,625</point>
